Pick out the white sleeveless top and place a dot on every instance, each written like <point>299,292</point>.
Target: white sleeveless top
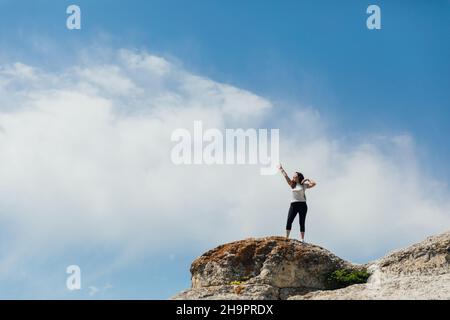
<point>298,193</point>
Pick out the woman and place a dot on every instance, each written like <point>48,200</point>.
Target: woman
<point>298,185</point>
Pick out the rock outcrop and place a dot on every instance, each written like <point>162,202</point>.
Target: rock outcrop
<point>275,268</point>
<point>267,268</point>
<point>421,271</point>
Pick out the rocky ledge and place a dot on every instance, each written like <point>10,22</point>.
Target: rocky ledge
<point>275,268</point>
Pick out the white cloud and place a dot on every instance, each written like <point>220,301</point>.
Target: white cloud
<point>107,78</point>
<point>93,290</point>
<point>19,70</point>
<point>155,65</point>
<point>85,161</point>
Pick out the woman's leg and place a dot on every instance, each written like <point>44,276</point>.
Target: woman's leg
<point>302,218</point>
<point>291,216</point>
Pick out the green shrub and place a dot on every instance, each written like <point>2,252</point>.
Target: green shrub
<point>343,278</point>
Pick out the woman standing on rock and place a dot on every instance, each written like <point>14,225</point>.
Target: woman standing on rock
<point>298,185</point>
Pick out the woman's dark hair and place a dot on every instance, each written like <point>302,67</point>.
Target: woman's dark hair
<point>300,176</point>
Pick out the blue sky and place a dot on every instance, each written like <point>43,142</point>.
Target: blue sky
<point>298,54</point>
<point>393,79</point>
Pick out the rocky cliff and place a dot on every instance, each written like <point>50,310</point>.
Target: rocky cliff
<point>276,268</point>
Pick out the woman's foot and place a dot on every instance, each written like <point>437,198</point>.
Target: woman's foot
<point>288,232</point>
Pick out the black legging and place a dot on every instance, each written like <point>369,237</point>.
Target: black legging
<point>295,207</point>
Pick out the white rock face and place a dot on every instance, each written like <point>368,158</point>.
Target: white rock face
<point>421,271</point>
<point>275,268</point>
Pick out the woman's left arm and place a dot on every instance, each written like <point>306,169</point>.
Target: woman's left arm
<point>311,183</point>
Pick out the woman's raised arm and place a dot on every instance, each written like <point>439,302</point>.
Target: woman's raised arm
<point>288,180</point>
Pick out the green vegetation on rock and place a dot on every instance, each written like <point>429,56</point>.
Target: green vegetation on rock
<point>342,278</point>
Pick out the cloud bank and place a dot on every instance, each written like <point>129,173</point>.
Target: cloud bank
<point>85,162</point>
